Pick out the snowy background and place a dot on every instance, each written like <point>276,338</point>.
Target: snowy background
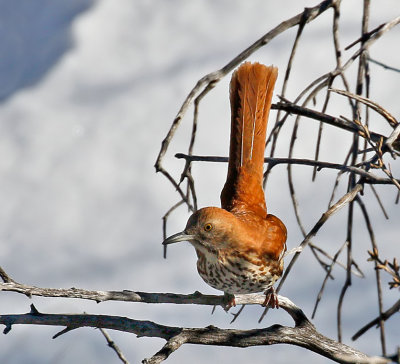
<point>88,90</point>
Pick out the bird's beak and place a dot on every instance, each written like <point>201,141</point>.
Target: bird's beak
<point>176,238</point>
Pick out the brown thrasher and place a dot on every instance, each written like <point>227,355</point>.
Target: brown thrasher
<point>239,246</point>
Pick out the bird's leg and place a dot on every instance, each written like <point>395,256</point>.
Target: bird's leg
<point>229,301</point>
<point>271,298</point>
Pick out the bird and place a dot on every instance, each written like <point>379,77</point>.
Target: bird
<point>240,247</point>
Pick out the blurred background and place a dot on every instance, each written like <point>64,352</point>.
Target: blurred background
<point>88,91</point>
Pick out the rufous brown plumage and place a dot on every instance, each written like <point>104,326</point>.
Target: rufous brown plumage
<point>240,246</point>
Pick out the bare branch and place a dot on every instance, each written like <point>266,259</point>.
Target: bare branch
<point>5,277</point>
<point>382,30</point>
<point>385,66</point>
<point>356,272</point>
<point>384,316</point>
<point>302,334</point>
<point>164,220</point>
<point>373,105</point>
<point>328,119</point>
<point>377,273</point>
<point>370,178</point>
<point>173,344</point>
<point>328,274</point>
<point>195,298</point>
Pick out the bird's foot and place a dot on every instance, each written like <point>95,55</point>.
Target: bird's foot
<point>229,301</point>
<point>271,298</point>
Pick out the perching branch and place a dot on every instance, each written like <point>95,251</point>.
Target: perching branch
<point>195,298</point>
<point>303,334</point>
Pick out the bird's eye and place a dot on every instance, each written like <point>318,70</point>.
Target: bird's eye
<point>208,227</point>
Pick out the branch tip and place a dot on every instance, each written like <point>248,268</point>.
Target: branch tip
<point>64,331</point>
<point>7,329</point>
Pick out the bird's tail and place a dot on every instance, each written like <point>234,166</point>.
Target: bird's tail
<point>250,95</point>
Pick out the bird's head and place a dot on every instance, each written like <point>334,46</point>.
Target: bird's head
<point>209,228</point>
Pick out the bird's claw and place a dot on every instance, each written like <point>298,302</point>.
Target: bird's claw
<point>271,298</point>
<point>228,301</point>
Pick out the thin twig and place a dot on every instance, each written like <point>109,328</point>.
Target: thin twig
<point>377,273</point>
<point>328,274</point>
<point>353,157</point>
<point>370,178</point>
<point>278,125</point>
<point>5,277</point>
<point>385,66</point>
<point>164,220</point>
<point>114,346</point>
<point>356,272</point>
<point>324,265</point>
<point>379,202</point>
<point>384,316</point>
<point>328,119</point>
<point>372,104</point>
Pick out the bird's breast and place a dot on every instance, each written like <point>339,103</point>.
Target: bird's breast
<point>235,273</point>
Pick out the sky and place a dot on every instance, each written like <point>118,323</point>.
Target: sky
<point>89,90</point>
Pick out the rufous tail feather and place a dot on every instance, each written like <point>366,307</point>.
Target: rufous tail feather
<point>251,91</point>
